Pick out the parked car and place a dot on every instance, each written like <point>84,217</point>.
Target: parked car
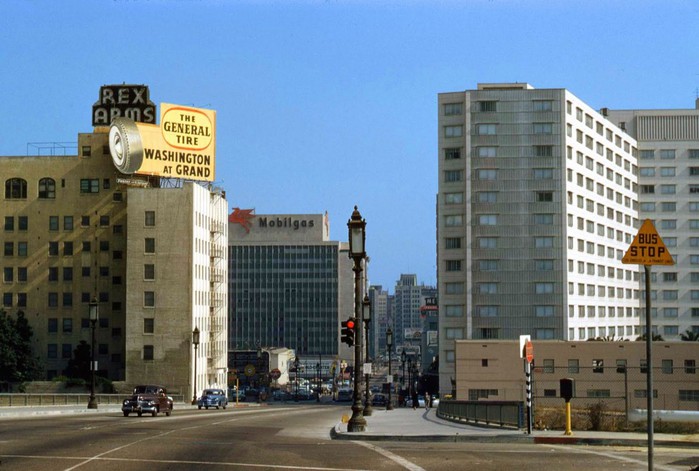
<point>147,399</point>
<point>236,395</point>
<point>435,400</point>
<point>345,394</point>
<point>379,400</point>
<point>212,398</point>
<point>280,395</point>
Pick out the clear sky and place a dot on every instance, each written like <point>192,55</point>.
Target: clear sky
<point>323,105</point>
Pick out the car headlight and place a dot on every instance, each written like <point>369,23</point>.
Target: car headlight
<point>126,401</point>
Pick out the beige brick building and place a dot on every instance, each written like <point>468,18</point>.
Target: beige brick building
<point>611,371</point>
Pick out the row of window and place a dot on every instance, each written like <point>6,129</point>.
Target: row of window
<point>69,247</point>
<point>54,223</point>
<point>67,351</point>
<point>10,299</point>
<point>666,154</point>
<point>16,188</point>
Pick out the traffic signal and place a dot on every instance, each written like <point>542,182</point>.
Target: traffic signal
<point>348,331</point>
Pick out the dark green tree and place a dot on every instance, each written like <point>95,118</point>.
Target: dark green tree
<point>17,364</point>
<point>79,365</point>
<point>654,338</point>
<point>690,336</point>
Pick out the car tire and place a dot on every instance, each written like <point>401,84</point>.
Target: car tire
<point>199,407</point>
<point>224,407</point>
<point>167,414</point>
<point>155,412</point>
<point>126,414</point>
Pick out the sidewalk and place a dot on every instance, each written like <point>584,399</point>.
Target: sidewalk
<point>406,424</point>
<point>33,411</point>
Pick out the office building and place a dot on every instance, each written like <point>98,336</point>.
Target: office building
<point>668,177</point>
<point>289,285</point>
<point>537,204</point>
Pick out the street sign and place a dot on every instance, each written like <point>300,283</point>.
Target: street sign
<point>647,248</point>
<point>275,374</point>
<point>529,351</point>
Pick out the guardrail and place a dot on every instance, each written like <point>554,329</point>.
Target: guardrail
<point>48,399</point>
<point>499,413</point>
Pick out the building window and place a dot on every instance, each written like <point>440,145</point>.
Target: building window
<point>544,334</point>
<point>453,176</point>
<point>150,218</point>
<point>487,151</point>
<point>453,131</point>
<point>544,196</point>
<point>89,185</point>
<point>598,366</point>
<point>67,223</point>
<point>53,223</point>
<point>543,128</point>
<point>573,366</point>
<point>543,219</point>
<point>485,129</point>
<point>67,325</point>
<point>667,153</point>
<point>488,265</point>
<point>543,151</point>
<point>453,109</point>
<point>666,367</point>
<point>452,243</point>
<point>690,367</point>
<point>453,265</point>
<point>149,245</point>
<point>148,325</point>
<point>454,333</point>
<point>549,365</point>
<point>455,220</point>
<point>454,310</point>
<point>487,106</point>
<point>543,311</point>
<point>47,188</point>
<point>488,219</point>
<point>487,311</point>
<point>149,298</point>
<point>15,188</point>
<point>543,288</point>
<point>487,174</point>
<point>104,221</point>
<point>453,198</point>
<point>690,395</point>
<point>149,271</point>
<point>543,173</point>
<point>542,105</point>
<point>148,352</point>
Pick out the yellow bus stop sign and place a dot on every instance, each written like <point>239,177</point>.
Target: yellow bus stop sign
<point>647,248</point>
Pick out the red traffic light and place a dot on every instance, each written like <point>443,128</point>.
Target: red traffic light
<point>350,324</point>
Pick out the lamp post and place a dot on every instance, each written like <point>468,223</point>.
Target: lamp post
<point>357,252</point>
<point>318,382</point>
<point>402,378</point>
<point>366,313</point>
<point>296,367</point>
<point>94,308</point>
<point>410,376</point>
<point>195,342</point>
<point>389,345</point>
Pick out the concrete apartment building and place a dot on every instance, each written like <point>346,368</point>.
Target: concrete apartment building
<point>537,204</point>
<point>152,253</point>
<point>668,161</point>
<point>289,286</point>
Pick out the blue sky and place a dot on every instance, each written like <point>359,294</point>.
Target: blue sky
<point>323,105</point>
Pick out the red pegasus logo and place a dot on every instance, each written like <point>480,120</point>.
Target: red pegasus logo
<point>242,217</point>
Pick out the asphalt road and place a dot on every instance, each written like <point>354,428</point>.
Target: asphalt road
<point>278,437</point>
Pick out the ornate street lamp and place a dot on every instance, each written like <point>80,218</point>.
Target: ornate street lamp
<point>296,366</point>
<point>366,313</point>
<point>195,342</point>
<point>357,252</point>
<point>94,316</point>
<point>389,345</point>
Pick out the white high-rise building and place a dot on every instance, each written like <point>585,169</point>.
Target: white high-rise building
<point>668,152</point>
<point>537,204</point>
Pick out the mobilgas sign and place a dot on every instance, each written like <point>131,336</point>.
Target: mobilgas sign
<point>123,101</point>
<point>183,146</point>
<point>284,222</point>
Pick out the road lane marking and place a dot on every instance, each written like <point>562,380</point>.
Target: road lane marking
<point>616,457</point>
<point>189,462</point>
<point>391,456</point>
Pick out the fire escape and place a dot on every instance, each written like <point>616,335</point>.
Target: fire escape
<point>216,354</point>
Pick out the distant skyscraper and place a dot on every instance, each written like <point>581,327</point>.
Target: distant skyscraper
<point>406,312</point>
<point>537,204</point>
<point>668,153</point>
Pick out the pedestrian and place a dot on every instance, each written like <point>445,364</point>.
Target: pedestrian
<point>414,397</point>
<point>428,401</point>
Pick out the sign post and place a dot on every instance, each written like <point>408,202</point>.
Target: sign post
<point>648,249</point>
<point>527,352</point>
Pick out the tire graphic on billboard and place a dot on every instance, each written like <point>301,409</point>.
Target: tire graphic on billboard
<point>125,145</point>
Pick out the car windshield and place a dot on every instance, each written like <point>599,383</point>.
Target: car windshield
<point>211,392</point>
<point>144,390</point>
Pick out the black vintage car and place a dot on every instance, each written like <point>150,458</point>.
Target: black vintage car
<point>147,399</point>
